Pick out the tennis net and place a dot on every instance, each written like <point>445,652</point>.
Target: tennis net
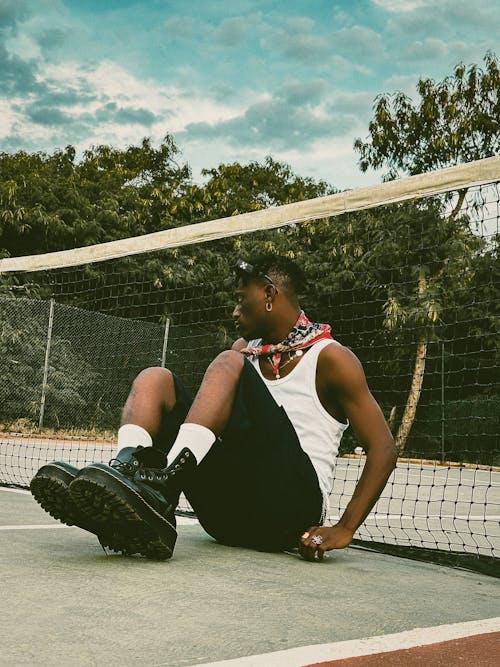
<point>406,273</point>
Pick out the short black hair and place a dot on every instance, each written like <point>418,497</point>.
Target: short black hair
<point>281,270</point>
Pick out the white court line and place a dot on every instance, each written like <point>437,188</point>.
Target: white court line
<point>8,488</point>
<point>181,521</point>
<point>35,526</point>
<point>308,655</point>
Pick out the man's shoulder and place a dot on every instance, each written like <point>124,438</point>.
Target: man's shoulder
<point>337,360</point>
<point>336,352</point>
<point>239,344</point>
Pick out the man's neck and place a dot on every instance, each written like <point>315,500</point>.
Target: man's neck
<point>282,328</point>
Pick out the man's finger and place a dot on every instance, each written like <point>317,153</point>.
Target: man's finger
<point>311,547</point>
<point>308,535</point>
<point>308,554</point>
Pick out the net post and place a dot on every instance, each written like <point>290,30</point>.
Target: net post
<point>165,343</point>
<point>46,363</point>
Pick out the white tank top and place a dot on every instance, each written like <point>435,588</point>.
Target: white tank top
<point>319,433</point>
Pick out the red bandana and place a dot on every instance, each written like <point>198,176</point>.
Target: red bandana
<point>303,334</point>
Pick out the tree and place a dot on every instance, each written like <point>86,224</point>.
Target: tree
<point>235,188</point>
<point>455,120</point>
<point>54,202</point>
<point>452,121</point>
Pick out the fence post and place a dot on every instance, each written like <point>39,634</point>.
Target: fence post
<point>46,365</point>
<point>442,402</point>
<point>165,343</point>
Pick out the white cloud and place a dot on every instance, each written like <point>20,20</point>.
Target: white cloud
<point>116,107</point>
<point>401,83</point>
<point>332,160</point>
<point>341,68</point>
<point>23,46</point>
<point>354,103</point>
<point>300,24</point>
<point>358,40</point>
<point>402,6</point>
<point>7,117</point>
<point>232,31</point>
<point>446,20</point>
<point>303,47</point>
<point>180,27</point>
<point>426,49</point>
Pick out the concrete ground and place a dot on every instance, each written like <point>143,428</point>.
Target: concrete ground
<point>65,602</point>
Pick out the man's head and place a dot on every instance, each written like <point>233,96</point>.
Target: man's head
<point>267,295</point>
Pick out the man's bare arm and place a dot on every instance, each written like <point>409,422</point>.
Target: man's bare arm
<point>346,379</point>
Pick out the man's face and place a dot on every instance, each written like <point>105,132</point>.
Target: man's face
<point>250,312</point>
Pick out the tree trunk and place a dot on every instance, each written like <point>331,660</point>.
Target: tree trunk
<point>414,395</point>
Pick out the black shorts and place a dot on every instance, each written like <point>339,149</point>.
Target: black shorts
<point>256,487</point>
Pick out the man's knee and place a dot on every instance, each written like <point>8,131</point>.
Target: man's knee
<point>230,361</point>
<point>155,375</point>
<point>155,381</point>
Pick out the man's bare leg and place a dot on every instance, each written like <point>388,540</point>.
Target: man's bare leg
<point>152,397</point>
<point>150,400</point>
<point>214,401</point>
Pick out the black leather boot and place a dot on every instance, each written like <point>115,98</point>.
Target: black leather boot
<point>50,488</point>
<point>138,494</point>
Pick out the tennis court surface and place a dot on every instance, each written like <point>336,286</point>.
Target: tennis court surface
<point>67,602</point>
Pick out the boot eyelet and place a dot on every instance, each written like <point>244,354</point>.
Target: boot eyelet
<point>183,460</point>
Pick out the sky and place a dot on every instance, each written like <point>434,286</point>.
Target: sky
<point>230,80</point>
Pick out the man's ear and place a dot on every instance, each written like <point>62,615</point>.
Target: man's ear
<point>270,290</point>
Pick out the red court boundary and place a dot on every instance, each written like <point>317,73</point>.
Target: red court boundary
<point>480,651</point>
<point>474,643</point>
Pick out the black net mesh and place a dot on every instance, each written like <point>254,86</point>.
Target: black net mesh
<point>411,288</point>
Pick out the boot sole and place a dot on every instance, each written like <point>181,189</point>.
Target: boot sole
<point>50,489</point>
<point>106,498</point>
<point>52,494</point>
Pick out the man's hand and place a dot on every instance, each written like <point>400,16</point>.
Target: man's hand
<point>330,537</point>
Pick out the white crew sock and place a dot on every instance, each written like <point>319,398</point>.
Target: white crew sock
<point>198,439</point>
<point>131,435</point>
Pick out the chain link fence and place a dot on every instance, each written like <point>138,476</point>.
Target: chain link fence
<point>64,367</point>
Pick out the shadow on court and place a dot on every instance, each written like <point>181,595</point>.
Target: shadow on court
<point>68,603</point>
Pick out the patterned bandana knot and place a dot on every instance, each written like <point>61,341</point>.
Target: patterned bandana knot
<point>303,334</point>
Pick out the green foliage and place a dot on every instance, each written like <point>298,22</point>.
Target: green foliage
<point>53,202</point>
<point>452,121</point>
<point>235,188</point>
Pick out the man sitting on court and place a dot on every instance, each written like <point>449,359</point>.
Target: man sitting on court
<point>254,452</point>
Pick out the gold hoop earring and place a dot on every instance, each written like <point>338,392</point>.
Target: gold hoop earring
<point>269,306</point>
